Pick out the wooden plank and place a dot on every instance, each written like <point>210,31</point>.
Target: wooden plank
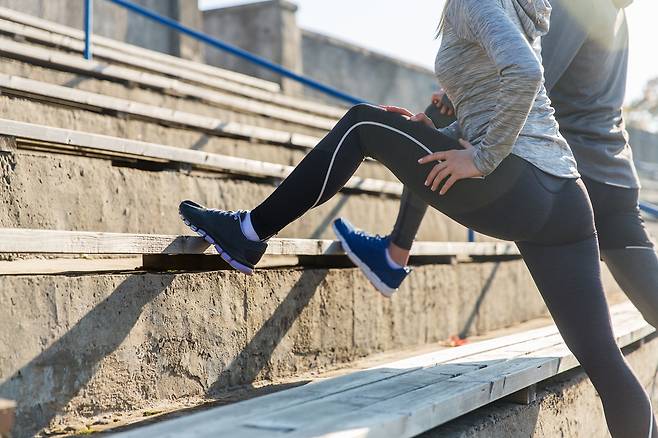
<point>500,379</point>
<point>369,409</point>
<point>7,415</point>
<point>50,139</point>
<point>63,266</point>
<point>426,408</point>
<point>62,61</point>
<point>85,99</point>
<point>28,241</point>
<point>181,72</point>
<point>69,140</point>
<point>464,353</point>
<point>626,321</point>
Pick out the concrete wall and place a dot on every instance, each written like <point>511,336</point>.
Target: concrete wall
<point>267,28</point>
<point>362,73</point>
<point>645,145</point>
<point>270,29</point>
<point>115,22</point>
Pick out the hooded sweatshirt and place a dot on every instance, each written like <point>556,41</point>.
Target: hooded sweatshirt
<point>490,66</point>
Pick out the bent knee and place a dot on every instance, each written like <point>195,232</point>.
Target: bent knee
<point>364,111</point>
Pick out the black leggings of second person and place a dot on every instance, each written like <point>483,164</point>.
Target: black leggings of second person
<point>550,219</point>
<point>625,245</point>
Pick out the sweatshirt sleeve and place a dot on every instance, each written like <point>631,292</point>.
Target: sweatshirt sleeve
<point>453,131</point>
<point>485,22</point>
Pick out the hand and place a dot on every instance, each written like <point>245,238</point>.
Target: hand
<point>442,103</point>
<point>453,165</point>
<point>420,117</point>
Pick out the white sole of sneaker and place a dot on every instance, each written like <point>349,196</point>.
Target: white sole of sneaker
<point>223,254</point>
<point>371,276</point>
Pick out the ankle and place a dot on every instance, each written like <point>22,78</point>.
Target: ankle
<point>398,255</point>
<point>248,228</point>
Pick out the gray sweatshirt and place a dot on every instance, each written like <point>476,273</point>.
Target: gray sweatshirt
<point>586,61</point>
<point>490,67</point>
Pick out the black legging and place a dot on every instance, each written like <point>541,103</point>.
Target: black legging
<point>624,242</point>
<point>550,219</point>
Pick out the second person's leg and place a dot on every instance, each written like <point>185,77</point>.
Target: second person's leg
<point>626,247</point>
<point>412,208</point>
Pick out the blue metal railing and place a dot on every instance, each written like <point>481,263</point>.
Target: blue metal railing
<point>649,208</point>
<point>88,25</point>
<point>221,45</point>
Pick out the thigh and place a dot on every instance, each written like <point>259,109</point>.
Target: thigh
<point>569,279</point>
<point>509,204</point>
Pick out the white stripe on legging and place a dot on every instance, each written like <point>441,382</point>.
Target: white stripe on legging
<point>342,140</point>
<point>651,419</point>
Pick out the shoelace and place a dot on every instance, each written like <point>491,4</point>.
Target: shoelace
<point>234,214</point>
<point>369,237</point>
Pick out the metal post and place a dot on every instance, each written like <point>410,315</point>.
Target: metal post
<point>88,24</point>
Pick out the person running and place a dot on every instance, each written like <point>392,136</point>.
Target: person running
<point>585,56</point>
<point>514,179</point>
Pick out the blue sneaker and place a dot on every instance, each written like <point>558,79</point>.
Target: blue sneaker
<point>369,253</point>
<point>222,229</point>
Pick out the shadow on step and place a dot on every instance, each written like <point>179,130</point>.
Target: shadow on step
<point>53,378</point>
<point>255,357</point>
<point>470,321</point>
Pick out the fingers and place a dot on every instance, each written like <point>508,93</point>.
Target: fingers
<point>465,144</point>
<point>437,97</point>
<point>447,104</point>
<point>422,118</point>
<point>445,173</point>
<point>397,109</point>
<point>436,170</point>
<point>436,156</point>
<point>451,181</point>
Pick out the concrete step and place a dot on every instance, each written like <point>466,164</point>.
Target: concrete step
<point>51,105</point>
<point>63,179</point>
<point>65,39</point>
<point>34,241</point>
<point>403,398</point>
<point>46,92</point>
<point>76,34</point>
<point>48,66</point>
<point>132,341</point>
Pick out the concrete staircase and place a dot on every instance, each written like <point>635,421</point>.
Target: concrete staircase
<point>110,316</point>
